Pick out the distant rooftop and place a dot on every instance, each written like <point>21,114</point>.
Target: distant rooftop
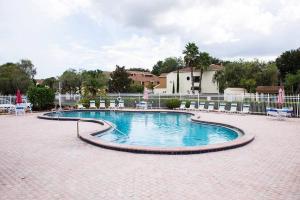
<point>268,89</point>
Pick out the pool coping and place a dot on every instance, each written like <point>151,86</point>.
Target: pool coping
<point>89,136</point>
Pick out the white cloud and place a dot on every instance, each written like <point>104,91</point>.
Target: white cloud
<point>58,34</point>
<point>57,9</point>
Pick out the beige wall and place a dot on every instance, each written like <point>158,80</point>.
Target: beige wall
<point>185,85</point>
<point>162,82</point>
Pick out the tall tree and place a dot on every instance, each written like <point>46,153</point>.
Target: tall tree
<point>190,54</point>
<point>28,67</point>
<point>203,61</point>
<point>93,81</point>
<point>12,77</point>
<point>219,78</point>
<point>71,81</point>
<point>120,81</point>
<point>292,82</point>
<point>246,74</point>
<point>288,62</point>
<point>157,68</point>
<point>51,83</point>
<point>168,65</point>
<point>173,89</point>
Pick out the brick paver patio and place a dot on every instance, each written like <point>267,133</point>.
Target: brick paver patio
<point>41,159</point>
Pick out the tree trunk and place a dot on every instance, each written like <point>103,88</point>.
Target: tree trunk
<point>200,80</point>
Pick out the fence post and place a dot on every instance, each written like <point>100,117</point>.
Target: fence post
<point>159,100</point>
<point>198,99</point>
<point>298,102</point>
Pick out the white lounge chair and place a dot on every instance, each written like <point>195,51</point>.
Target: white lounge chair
<point>142,105</point>
<point>192,105</point>
<point>287,112</point>
<point>182,106</point>
<point>93,104</point>
<point>102,104</point>
<point>80,106</point>
<point>211,106</point>
<point>20,109</point>
<point>201,106</point>
<point>222,107</point>
<point>7,107</point>
<point>233,108</point>
<point>279,113</point>
<point>121,103</point>
<point>245,109</point>
<point>112,104</point>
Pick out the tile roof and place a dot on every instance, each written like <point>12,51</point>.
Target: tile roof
<point>143,76</point>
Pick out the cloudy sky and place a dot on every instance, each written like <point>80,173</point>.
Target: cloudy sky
<point>97,34</point>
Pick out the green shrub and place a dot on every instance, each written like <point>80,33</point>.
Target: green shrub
<point>85,102</point>
<point>41,98</point>
<point>187,104</point>
<point>135,88</point>
<point>173,103</point>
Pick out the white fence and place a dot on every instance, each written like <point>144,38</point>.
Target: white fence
<point>258,102</point>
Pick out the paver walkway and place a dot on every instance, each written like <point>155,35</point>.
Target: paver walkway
<point>41,159</point>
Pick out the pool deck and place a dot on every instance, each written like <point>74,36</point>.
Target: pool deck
<point>43,159</point>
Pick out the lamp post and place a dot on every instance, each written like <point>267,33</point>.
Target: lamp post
<point>59,96</point>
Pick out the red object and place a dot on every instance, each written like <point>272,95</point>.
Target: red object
<point>19,97</point>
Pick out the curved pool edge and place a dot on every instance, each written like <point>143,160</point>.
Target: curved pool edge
<point>90,138</point>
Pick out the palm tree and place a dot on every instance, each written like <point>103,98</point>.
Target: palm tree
<point>203,61</point>
<point>191,51</point>
<point>219,78</point>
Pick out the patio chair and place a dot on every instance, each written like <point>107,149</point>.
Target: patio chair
<point>287,112</point>
<point>222,107</point>
<point>279,113</point>
<point>182,106</point>
<point>233,108</point>
<point>80,106</point>
<point>201,106</point>
<point>7,107</point>
<point>112,104</point>
<point>121,103</point>
<point>102,104</point>
<point>93,104</point>
<point>211,106</point>
<point>272,112</point>
<point>192,105</point>
<point>20,109</point>
<point>142,105</point>
<point>245,109</point>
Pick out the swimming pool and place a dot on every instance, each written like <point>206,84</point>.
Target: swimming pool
<point>156,129</point>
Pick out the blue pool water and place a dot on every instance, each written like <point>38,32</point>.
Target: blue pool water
<point>157,129</point>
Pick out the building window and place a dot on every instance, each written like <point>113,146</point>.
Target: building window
<point>188,78</point>
<point>143,83</point>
